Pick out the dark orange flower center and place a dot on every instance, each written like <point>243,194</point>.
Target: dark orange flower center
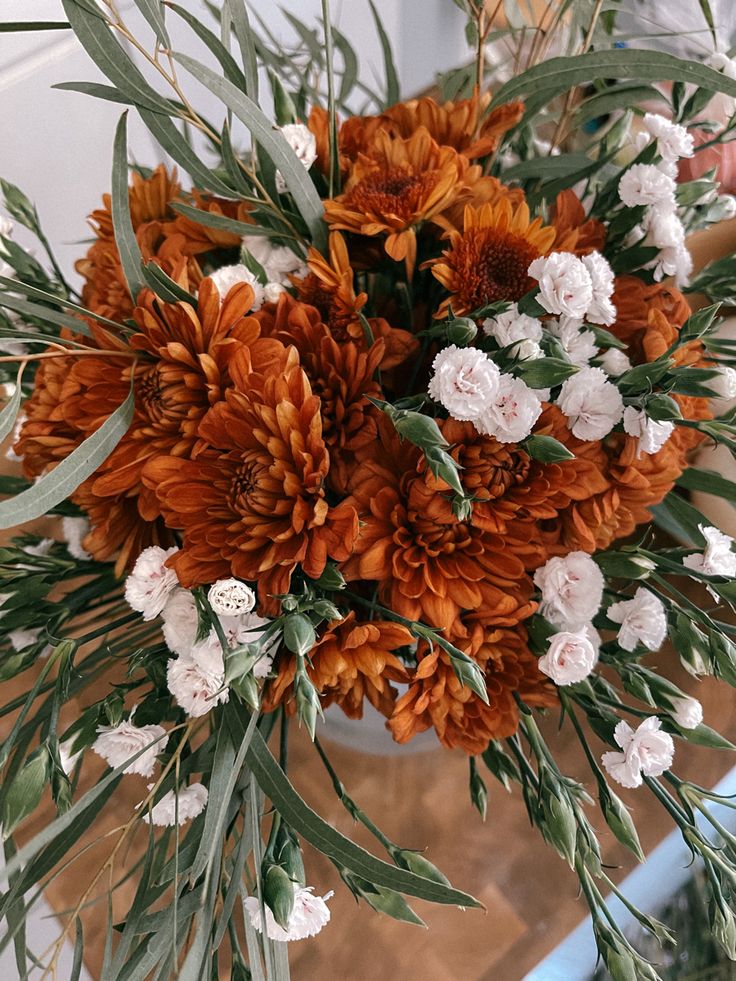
<point>491,266</point>
<point>489,474</point>
<point>245,483</point>
<point>391,191</point>
<point>161,400</point>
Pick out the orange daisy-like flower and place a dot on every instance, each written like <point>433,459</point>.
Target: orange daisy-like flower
<point>340,374</point>
<point>428,565</point>
<point>489,259</point>
<point>460,718</point>
<point>254,506</point>
<point>575,232</point>
<point>329,286</point>
<point>351,661</point>
<point>400,185</point>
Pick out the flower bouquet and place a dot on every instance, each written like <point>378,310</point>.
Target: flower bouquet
<point>391,401</point>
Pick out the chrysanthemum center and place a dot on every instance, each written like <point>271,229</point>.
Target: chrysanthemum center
<point>396,191</point>
<point>492,266</point>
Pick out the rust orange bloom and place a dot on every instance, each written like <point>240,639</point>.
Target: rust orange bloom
<point>488,260</point>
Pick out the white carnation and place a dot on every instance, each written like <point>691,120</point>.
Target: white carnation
<point>304,144</point>
<point>615,362</point>
<point>571,655</point>
<point>687,712</point>
<point>579,345</point>
<point>464,381</point>
<point>151,582</point>
<point>277,261</point>
<point>511,416</point>
<point>512,327</point>
<point>20,639</point>
<point>651,433</point>
<point>717,558</point>
<point>601,309</point>
<point>192,800</point>
<point>673,140</point>
<point>272,292</point>
<point>229,597</point>
<point>647,752</point>
<point>116,744</point>
<point>226,277</point>
<point>181,621</point>
<point>309,915</point>
<point>197,679</point>
<point>674,261</point>
<point>724,383</point>
<point>571,588</point>
<point>645,184</point>
<point>591,404</point>
<point>565,286</point>
<point>643,620</point>
<point>73,531</point>
<point>664,229</point>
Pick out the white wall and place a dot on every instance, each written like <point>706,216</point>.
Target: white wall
<point>57,145</point>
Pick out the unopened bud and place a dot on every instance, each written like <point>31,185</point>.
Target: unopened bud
<point>278,894</point>
<point>620,821</point>
<point>461,331</point>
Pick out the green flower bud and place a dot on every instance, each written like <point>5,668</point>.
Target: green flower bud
<point>559,826</point>
<point>620,821</point>
<point>461,331</point>
<point>278,894</point>
<point>308,708</point>
<point>723,927</point>
<point>478,790</point>
<point>299,635</point>
<point>331,579</point>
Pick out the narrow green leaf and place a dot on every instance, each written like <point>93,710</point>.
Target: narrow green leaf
<point>218,49</point>
<point>551,78</point>
<point>108,93</point>
<point>164,286</point>
<point>37,312</point>
<point>78,960</point>
<point>58,485</point>
<point>23,795</point>
<point>708,482</point>
<point>152,11</point>
<point>112,60</point>
<point>127,243</point>
<point>616,97</point>
<point>709,20</point>
<point>547,167</point>
<point>271,141</point>
<point>15,285</point>
<point>392,78</point>
<point>326,839</point>
<point>334,176</point>
<point>10,412</point>
<point>225,224</point>
<point>350,65</point>
<point>165,132</point>
<point>244,34</point>
<point>34,25</point>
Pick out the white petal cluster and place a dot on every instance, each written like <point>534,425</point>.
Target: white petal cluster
<point>197,679</point>
<point>717,558</point>
<point>643,620</point>
<point>116,744</point>
<point>646,184</point>
<point>151,582</point>
<point>304,144</point>
<point>579,345</point>
<point>518,329</point>
<point>309,915</point>
<point>565,287</point>
<point>230,597</point>
<point>20,639</point>
<point>277,261</point>
<point>180,621</point>
<point>687,712</point>
<point>591,404</point>
<point>720,62</point>
<point>464,381</point>
<point>226,277</point>
<point>646,752</point>
<point>571,655</point>
<point>673,140</point>
<point>192,800</point>
<point>571,588</point>
<point>601,309</point>
<point>73,531</point>
<point>512,414</point>
<point>615,362</point>
<point>652,434</point>
<point>724,383</point>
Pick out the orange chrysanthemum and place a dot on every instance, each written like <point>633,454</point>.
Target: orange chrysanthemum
<point>401,184</point>
<point>342,375</point>
<point>329,286</point>
<point>351,661</point>
<point>430,566</point>
<point>460,718</point>
<point>254,505</point>
<point>575,233</point>
<point>489,260</point>
<point>198,238</point>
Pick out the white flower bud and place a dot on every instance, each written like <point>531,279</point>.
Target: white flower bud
<point>231,597</point>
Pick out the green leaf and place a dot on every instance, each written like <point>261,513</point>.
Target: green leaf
<point>152,11</point>
<point>112,60</point>
<point>680,519</point>
<point>547,167</point>
<point>547,449</point>
<point>616,97</point>
<point>545,372</point>
<point>227,62</point>
<point>36,312</point>
<point>244,34</point>
<point>10,412</point>
<point>274,783</point>
<point>392,78</point>
<point>81,463</point>
<point>79,327</point>
<point>551,78</point>
<point>221,222</point>
<point>23,795</point>
<point>271,141</point>
<point>164,286</point>
<point>19,206</point>
<point>350,65</point>
<point>127,243</point>
<point>708,482</point>
<point>108,93</point>
<point>164,131</point>
<point>33,25</point>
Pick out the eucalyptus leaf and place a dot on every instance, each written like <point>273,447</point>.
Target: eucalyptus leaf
<point>9,412</point>
<point>127,243</point>
<point>153,11</point>
<point>244,34</point>
<point>37,312</point>
<point>64,479</point>
<point>392,79</point>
